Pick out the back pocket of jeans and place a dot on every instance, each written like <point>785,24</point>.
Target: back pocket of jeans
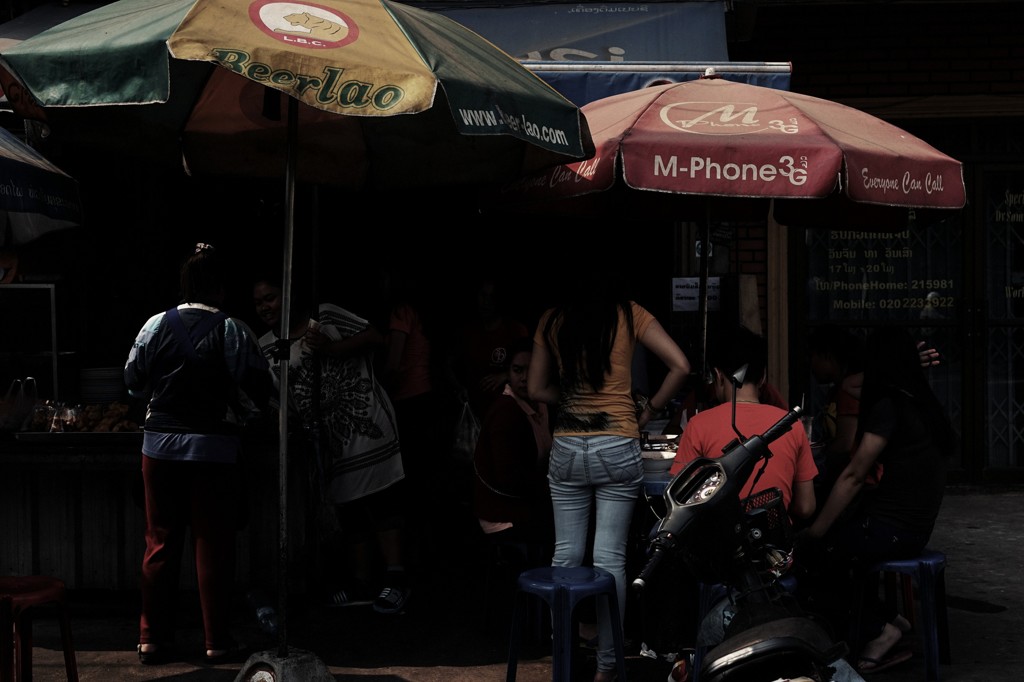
<point>560,464</point>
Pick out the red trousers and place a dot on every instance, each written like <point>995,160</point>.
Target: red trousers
<point>181,495</point>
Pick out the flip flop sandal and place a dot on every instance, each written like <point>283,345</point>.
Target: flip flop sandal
<point>867,666</point>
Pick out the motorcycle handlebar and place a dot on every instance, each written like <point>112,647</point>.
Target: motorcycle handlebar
<point>783,425</point>
<point>657,554</point>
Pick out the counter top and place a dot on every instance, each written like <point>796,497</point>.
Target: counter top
<point>72,449</point>
<point>79,438</point>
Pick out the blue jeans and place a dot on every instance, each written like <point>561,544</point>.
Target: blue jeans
<point>604,473</point>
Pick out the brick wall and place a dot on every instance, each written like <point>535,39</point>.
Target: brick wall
<point>748,256</point>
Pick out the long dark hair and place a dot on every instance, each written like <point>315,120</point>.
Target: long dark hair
<point>892,369</point>
<point>588,320</point>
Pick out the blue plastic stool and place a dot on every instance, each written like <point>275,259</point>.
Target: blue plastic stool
<point>563,589</point>
<point>928,572</point>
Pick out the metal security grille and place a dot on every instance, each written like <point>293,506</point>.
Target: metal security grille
<point>1004,413</point>
<point>1004,305</point>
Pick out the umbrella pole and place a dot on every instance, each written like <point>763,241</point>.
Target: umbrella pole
<point>285,666</point>
<point>286,296</point>
<point>702,296</point>
<point>315,571</point>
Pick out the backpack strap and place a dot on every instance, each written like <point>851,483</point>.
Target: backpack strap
<point>180,333</point>
<point>188,339</point>
<point>205,326</point>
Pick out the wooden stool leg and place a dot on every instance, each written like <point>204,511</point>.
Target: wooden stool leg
<point>70,661</point>
<point>6,641</point>
<point>24,645</point>
<point>942,618</point>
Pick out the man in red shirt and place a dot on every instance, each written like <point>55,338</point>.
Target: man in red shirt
<point>791,468</point>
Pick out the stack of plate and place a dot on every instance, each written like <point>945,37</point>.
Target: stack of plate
<point>658,451</point>
<point>657,461</point>
<point>101,385</point>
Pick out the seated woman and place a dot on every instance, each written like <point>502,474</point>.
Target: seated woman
<point>903,426</point>
<point>510,496</point>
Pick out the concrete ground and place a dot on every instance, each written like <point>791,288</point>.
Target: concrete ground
<point>445,636</point>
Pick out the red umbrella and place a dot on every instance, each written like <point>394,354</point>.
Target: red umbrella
<point>718,138</point>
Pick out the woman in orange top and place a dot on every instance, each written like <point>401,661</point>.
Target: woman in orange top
<point>582,361</point>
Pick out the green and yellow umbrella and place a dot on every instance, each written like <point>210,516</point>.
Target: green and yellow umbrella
<point>388,95</point>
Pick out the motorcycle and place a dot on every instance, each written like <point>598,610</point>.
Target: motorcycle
<point>743,546</point>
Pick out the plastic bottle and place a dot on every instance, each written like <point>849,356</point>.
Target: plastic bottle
<point>266,616</point>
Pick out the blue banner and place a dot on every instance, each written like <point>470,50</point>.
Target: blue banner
<point>615,32</point>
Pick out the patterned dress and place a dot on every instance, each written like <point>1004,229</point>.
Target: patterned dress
<point>357,417</point>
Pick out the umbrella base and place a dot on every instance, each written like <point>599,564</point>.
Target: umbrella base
<point>298,666</point>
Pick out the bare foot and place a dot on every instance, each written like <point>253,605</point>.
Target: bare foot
<point>875,650</point>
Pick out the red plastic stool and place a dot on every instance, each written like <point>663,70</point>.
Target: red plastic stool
<point>18,596</point>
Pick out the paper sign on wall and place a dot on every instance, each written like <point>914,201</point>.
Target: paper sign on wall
<point>686,294</point>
